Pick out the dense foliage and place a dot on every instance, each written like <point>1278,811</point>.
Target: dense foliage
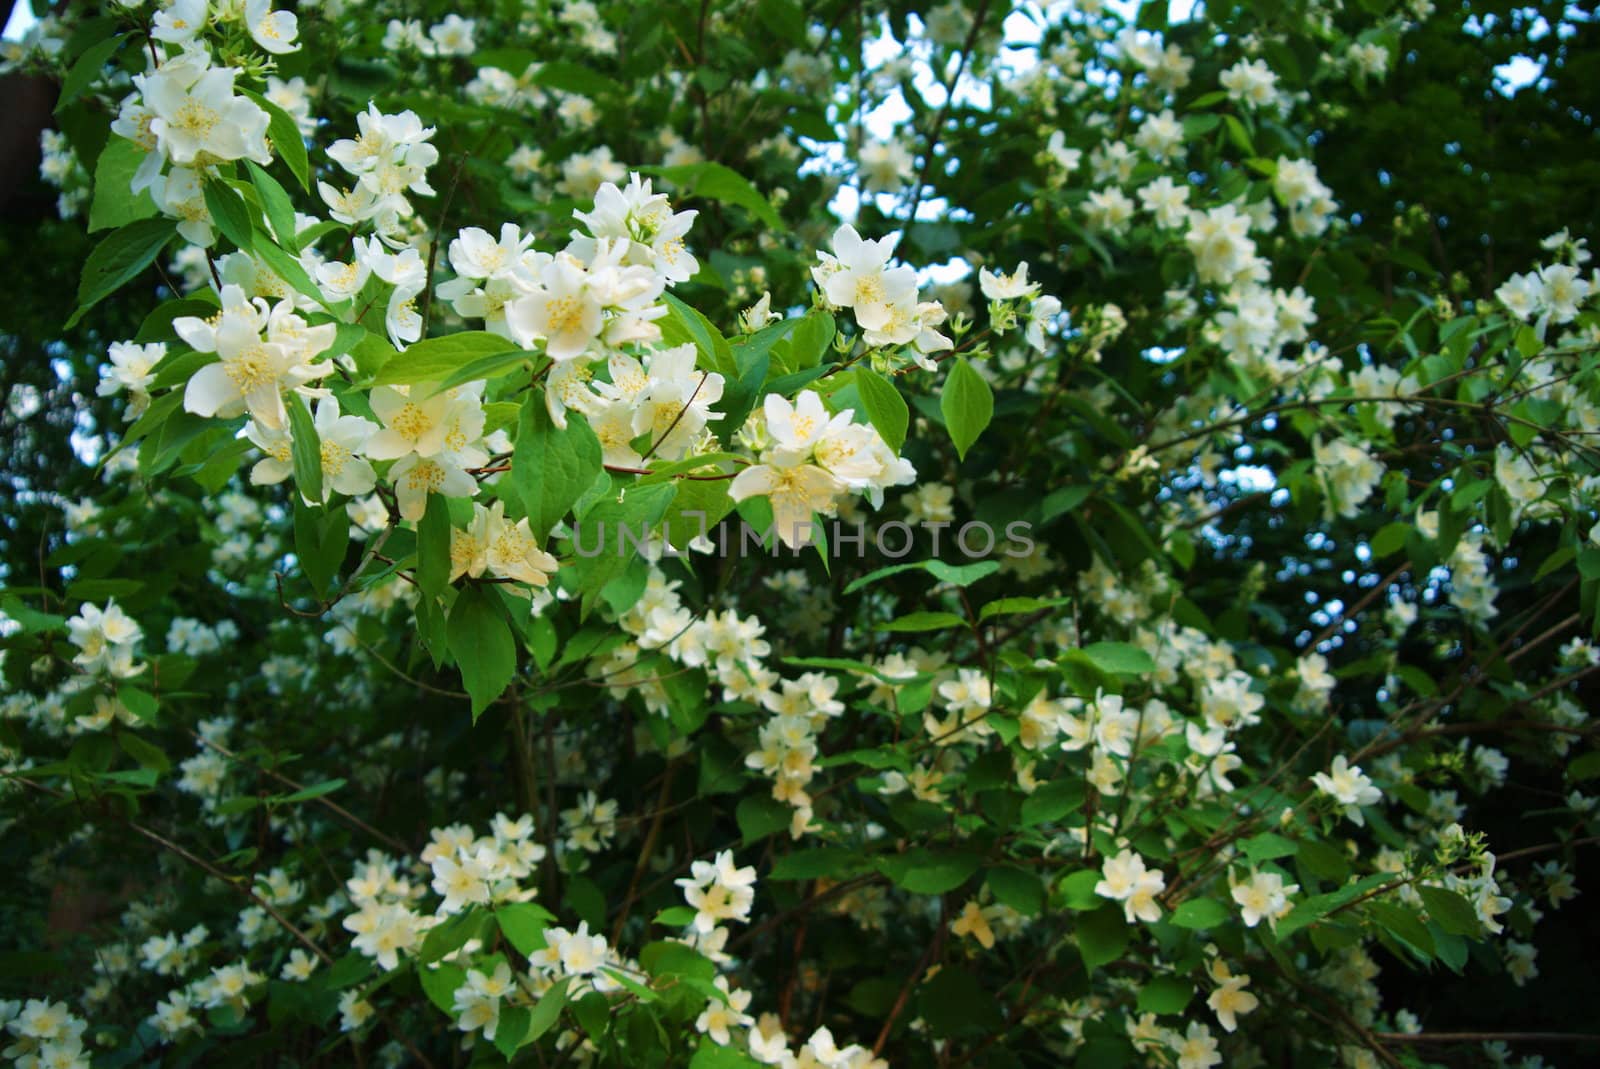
<point>820,534</point>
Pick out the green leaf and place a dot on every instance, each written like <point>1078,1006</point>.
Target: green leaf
<point>1450,911</point>
<point>1200,913</point>
<point>550,467</point>
<point>962,575</point>
<point>675,917</point>
<point>229,213</point>
<point>433,546</point>
<point>547,1010</point>
<point>611,532</point>
<point>118,260</point>
<point>1402,923</point>
<point>686,324</point>
<point>449,936</point>
<point>811,339</point>
<point>1102,937</point>
<point>967,404</point>
<point>114,201</point>
<point>1051,801</point>
<point>433,360</point>
<point>671,958</point>
<point>139,703</point>
<point>717,182</point>
<point>148,755</point>
<point>1165,995</point>
<point>479,637</point>
<point>321,538</point>
<point>439,983</point>
<point>487,367</point>
<point>1120,658</point>
<point>1077,891</point>
<point>1391,538</point>
<point>285,137</point>
<point>885,407</point>
<point>759,816</point>
<point>930,872</point>
<point>816,862</point>
<point>306,451</point>
<point>711,1056</point>
<point>955,1002</point>
<point>523,924</point>
<point>288,268</point>
<point>1267,846</point>
<point>86,69</point>
<point>1059,502</point>
<point>511,1033</point>
<point>1019,606</point>
<point>924,621</point>
<point>1017,888</point>
<point>305,794</point>
<point>277,205</point>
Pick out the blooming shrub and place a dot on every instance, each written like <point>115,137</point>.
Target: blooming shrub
<point>780,534</point>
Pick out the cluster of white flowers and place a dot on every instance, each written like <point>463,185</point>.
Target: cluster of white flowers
<point>1255,85</point>
<point>857,275</point>
<point>389,157</point>
<point>107,641</point>
<point>1552,293</point>
<point>44,1035</point>
<point>810,459</point>
<point>1125,879</point>
<point>59,167</point>
<point>188,118</point>
<point>1349,475</point>
<point>1310,202</point>
<point>1007,294</point>
<point>451,36</point>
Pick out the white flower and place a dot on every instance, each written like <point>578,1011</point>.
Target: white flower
<point>1125,879</point>
<point>562,309</point>
<point>858,277</point>
<point>1001,287</point>
<point>512,552</point>
<point>196,117</point>
<point>1263,895</point>
<point>253,371</point>
<point>274,31</point>
<point>1347,785</point>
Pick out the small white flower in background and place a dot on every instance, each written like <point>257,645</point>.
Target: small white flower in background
<point>274,31</point>
<point>1195,1048</point>
<point>300,966</point>
<point>718,891</point>
<point>180,21</point>
<point>719,1018</point>
<point>579,953</point>
<point>105,639</point>
<point>354,1011</point>
<point>1347,785</point>
<point>1230,1000</point>
<point>1125,879</point>
<point>132,367</point>
<point>453,36</point>
<point>477,1001</point>
<point>1002,287</point>
<point>1264,895</point>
